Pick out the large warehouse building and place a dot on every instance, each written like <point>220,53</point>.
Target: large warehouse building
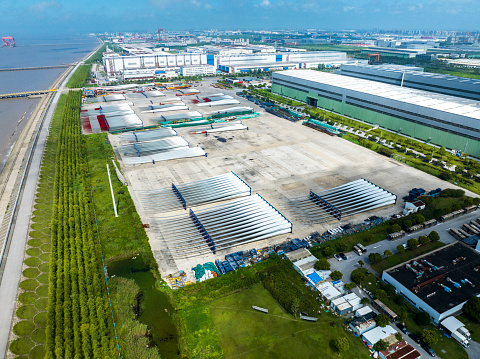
<point>158,63</point>
<point>440,282</point>
<point>447,121</point>
<point>414,77</point>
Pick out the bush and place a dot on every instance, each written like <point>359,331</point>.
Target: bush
<point>418,219</point>
<point>400,248</point>
<point>434,236</point>
<point>398,336</point>
<point>387,253</point>
<point>350,286</point>
<point>342,344</point>
<point>322,264</point>
<point>429,337</point>
<point>395,228</point>
<point>453,193</point>
<point>382,320</point>
<point>423,240</point>
<point>407,224</point>
<point>342,247</point>
<point>385,151</point>
<point>472,308</point>
<point>365,301</point>
<point>328,251</point>
<point>374,258</point>
<point>446,175</point>
<point>399,299</point>
<point>422,318</point>
<point>380,294</point>
<point>380,345</point>
<point>412,243</point>
<point>358,276</point>
<point>336,275</point>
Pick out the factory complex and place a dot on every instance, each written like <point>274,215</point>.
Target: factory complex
<point>440,282</point>
<point>149,63</point>
<point>213,174</point>
<point>448,121</point>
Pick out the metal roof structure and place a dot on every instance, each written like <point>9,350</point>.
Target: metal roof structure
<point>148,135</point>
<point>345,200</point>
<point>130,120</point>
<point>219,188</point>
<point>182,116</point>
<point>221,102</point>
<point>429,100</point>
<point>221,227</point>
<point>165,156</point>
<point>138,149</point>
<point>174,106</point>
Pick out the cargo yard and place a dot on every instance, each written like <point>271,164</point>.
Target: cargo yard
<point>213,143</point>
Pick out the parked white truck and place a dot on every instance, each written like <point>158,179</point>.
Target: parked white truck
<point>457,330</point>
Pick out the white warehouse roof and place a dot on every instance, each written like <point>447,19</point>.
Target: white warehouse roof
<point>378,333</point>
<point>449,104</point>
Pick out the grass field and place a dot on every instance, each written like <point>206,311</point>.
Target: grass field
<point>122,236</point>
<point>79,77</point>
<point>246,333</point>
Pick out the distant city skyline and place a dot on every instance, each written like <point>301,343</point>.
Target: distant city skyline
<point>54,16</point>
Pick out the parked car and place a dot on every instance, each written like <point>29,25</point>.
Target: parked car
<point>414,338</point>
<point>403,328</point>
<point>428,350</point>
<point>337,257</point>
<point>343,256</point>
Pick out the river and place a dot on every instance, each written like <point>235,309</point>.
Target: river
<point>32,52</point>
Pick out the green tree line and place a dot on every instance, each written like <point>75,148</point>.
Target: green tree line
<point>79,324</point>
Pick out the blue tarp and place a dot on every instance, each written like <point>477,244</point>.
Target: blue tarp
<point>314,277</point>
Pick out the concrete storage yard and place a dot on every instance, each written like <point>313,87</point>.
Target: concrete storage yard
<point>278,159</point>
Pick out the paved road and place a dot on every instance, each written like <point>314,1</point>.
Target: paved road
<point>14,262</point>
<point>473,350</point>
<point>346,267</point>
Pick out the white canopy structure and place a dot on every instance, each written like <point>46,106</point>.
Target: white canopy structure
<point>148,135</point>
<point>219,188</point>
<point>238,222</point>
<point>346,200</point>
<point>165,156</point>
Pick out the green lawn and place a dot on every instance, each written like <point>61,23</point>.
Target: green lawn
<point>246,333</point>
<point>122,236</point>
<point>398,258</point>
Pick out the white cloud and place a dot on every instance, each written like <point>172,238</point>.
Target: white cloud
<point>348,8</point>
<point>208,6</point>
<point>265,3</point>
<point>45,5</point>
<point>196,3</point>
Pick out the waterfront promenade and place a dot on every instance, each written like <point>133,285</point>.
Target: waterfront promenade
<point>19,191</point>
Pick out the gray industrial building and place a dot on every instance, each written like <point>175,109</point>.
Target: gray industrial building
<point>414,77</point>
<point>450,122</point>
<point>439,282</point>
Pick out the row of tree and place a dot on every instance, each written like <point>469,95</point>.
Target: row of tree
<point>78,320</point>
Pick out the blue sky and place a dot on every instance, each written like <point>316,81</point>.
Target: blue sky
<point>48,16</point>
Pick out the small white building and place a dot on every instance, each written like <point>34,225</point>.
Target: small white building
<point>413,207</point>
<point>346,304</point>
<point>379,333</point>
<point>328,291</point>
<point>198,70</point>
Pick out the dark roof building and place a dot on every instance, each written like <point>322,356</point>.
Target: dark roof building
<point>439,282</point>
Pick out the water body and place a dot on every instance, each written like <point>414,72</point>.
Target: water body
<point>32,52</point>
<point>154,303</point>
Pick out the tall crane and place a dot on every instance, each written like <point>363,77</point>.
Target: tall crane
<point>8,41</point>
<point>163,38</point>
